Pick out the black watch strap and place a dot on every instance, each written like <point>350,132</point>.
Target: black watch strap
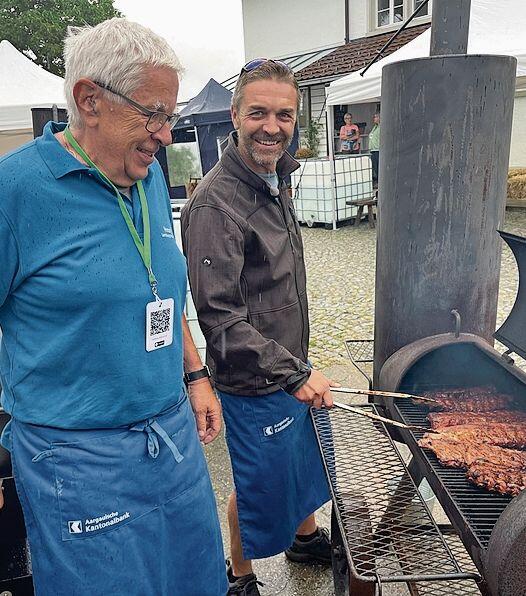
<point>197,374</point>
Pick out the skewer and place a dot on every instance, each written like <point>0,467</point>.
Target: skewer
<point>382,419</point>
<point>383,394</point>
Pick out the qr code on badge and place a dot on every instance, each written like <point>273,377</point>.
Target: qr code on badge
<point>160,321</point>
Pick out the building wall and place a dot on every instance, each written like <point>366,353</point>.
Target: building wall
<point>359,11</point>
<point>277,28</point>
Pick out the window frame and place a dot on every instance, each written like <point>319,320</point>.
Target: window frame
<point>420,15</point>
<point>391,9</point>
<point>305,117</point>
<point>408,9</point>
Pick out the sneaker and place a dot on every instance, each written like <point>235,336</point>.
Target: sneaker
<point>314,552</point>
<point>246,585</point>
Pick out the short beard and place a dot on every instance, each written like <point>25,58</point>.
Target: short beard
<point>249,146</point>
<point>263,160</point>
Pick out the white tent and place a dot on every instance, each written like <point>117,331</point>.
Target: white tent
<point>24,85</point>
<point>496,27</point>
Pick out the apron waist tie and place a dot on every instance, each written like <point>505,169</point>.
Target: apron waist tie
<point>153,429</point>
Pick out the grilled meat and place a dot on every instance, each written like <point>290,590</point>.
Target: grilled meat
<point>475,399</point>
<point>460,454</point>
<point>509,434</point>
<point>488,466</point>
<point>482,433</point>
<point>495,478</point>
<point>443,420</point>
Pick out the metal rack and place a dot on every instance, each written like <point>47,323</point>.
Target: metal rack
<point>386,531</point>
<point>360,352</point>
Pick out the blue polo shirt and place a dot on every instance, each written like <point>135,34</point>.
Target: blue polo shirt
<point>73,294</point>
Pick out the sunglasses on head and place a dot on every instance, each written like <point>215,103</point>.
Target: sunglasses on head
<point>257,62</point>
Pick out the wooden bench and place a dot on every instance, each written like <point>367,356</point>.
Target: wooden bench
<point>370,203</point>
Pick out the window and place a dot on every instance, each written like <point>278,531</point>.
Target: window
<point>390,12</point>
<point>304,113</point>
<point>425,11</point>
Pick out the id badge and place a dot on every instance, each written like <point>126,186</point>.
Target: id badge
<point>159,324</point>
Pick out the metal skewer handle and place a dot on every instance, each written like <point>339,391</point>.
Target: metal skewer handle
<point>381,418</point>
<point>382,393</point>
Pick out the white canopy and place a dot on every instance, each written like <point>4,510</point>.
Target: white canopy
<point>24,85</point>
<point>496,27</point>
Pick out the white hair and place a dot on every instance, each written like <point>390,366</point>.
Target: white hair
<point>115,52</point>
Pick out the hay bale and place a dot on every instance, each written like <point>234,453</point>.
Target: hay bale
<point>517,184</point>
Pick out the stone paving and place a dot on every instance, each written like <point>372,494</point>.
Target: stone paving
<point>341,271</point>
<point>340,268</point>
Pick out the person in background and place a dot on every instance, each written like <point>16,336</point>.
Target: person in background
<point>104,443</point>
<point>349,136</point>
<point>374,147</point>
<point>247,274</point>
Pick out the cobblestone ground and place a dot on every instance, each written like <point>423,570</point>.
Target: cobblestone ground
<point>341,271</point>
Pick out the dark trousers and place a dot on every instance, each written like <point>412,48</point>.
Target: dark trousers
<point>375,159</point>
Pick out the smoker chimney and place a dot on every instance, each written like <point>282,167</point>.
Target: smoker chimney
<point>445,140</point>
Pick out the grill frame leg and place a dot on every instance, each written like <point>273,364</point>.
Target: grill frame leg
<point>345,583</point>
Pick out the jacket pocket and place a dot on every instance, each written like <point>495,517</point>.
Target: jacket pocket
<point>284,325</point>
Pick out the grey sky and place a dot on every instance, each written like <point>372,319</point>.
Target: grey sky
<point>207,35</point>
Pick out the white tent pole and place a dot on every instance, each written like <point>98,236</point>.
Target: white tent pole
<point>329,116</point>
<point>198,149</point>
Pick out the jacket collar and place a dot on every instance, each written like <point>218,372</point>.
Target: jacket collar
<point>232,161</point>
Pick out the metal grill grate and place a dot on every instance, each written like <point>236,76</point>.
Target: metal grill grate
<point>458,588</point>
<point>389,533</point>
<point>477,506</point>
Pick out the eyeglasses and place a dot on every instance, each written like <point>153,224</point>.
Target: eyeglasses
<point>257,62</point>
<point>156,120</point>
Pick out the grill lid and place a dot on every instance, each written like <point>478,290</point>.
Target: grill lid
<point>511,333</point>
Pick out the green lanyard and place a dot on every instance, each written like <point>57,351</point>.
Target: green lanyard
<point>144,248</point>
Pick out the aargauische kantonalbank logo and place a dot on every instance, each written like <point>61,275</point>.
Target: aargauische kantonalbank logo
<point>75,527</point>
<point>273,429</point>
<point>97,523</point>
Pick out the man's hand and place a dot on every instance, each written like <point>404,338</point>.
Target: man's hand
<point>317,390</point>
<point>207,410</point>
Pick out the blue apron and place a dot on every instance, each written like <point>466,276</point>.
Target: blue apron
<point>278,471</point>
<point>126,511</point>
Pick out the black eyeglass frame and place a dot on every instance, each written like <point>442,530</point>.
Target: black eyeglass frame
<point>172,119</point>
<point>257,62</point>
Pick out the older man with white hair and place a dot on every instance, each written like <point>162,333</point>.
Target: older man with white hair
<point>105,450</point>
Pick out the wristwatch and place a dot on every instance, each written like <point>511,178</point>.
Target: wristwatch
<point>197,374</point>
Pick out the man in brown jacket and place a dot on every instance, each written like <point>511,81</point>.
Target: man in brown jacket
<point>247,274</point>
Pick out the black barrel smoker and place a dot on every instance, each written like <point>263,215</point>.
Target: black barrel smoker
<point>446,129</point>
<point>492,526</point>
